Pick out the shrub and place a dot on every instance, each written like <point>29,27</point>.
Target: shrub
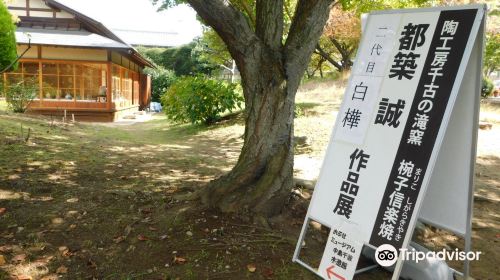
<point>8,49</point>
<point>200,100</point>
<point>161,79</point>
<point>487,87</point>
<point>20,95</point>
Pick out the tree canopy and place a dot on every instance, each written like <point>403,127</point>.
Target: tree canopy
<point>185,60</point>
<point>8,49</point>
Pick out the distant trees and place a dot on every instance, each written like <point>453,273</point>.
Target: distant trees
<point>8,49</point>
<point>340,39</point>
<point>492,53</point>
<point>185,60</point>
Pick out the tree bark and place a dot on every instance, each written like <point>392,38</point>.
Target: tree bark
<point>262,179</point>
<point>263,176</point>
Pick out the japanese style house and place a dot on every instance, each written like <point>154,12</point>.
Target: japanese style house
<point>80,66</point>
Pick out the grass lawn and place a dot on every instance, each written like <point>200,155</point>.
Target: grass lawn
<point>99,201</point>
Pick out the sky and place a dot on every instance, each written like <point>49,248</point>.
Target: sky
<point>140,15</point>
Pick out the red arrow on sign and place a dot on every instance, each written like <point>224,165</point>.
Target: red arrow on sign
<point>330,273</point>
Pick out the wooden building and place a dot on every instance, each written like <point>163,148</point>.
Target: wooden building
<point>79,65</point>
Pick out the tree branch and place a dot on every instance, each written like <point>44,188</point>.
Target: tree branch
<point>270,22</point>
<point>324,55</point>
<point>307,25</point>
<point>230,24</point>
<point>339,46</point>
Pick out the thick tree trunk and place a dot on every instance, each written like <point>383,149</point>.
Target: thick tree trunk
<point>262,179</point>
<point>270,71</point>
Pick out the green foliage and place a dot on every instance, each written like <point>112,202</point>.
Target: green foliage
<point>200,100</point>
<point>161,80</point>
<point>165,4</point>
<point>492,53</point>
<point>487,88</point>
<point>185,60</point>
<point>363,6</point>
<point>153,54</point>
<point>8,49</point>
<point>20,95</point>
<point>212,49</point>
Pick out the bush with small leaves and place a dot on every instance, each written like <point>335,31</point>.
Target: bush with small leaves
<point>200,100</point>
<point>19,95</point>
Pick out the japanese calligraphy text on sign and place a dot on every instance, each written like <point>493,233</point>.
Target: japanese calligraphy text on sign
<point>386,130</point>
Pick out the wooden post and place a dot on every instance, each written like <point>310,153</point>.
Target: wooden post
<point>109,86</point>
<point>40,81</point>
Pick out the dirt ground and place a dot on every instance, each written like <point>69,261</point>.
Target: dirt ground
<point>101,201</point>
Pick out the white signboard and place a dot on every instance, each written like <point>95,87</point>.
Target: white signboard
<point>388,132</point>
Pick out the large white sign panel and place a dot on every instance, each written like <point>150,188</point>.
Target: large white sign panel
<point>386,138</point>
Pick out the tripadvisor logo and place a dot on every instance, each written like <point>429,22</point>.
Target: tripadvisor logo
<point>387,255</point>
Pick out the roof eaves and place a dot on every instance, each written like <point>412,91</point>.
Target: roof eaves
<point>99,28</point>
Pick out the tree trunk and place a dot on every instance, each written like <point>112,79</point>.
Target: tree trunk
<point>270,72</point>
<point>262,179</point>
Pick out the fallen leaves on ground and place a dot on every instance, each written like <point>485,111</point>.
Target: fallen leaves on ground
<point>62,270</point>
<point>119,239</point>
<point>251,267</point>
<point>142,237</point>
<point>153,229</point>
<point>179,260</point>
<point>268,272</point>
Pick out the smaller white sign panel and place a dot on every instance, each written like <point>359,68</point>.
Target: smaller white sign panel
<point>340,257</point>
<point>357,109</point>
